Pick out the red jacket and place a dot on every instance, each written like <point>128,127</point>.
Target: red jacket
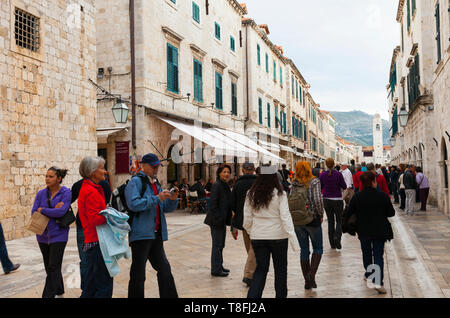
<point>91,202</point>
<point>381,181</point>
<point>357,181</point>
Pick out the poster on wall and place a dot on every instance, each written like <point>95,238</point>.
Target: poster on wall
<point>122,155</point>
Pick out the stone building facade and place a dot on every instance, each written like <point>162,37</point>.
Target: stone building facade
<point>419,83</point>
<point>47,105</point>
<point>189,64</point>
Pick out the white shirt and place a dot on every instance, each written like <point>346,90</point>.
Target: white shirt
<point>271,223</point>
<point>348,177</point>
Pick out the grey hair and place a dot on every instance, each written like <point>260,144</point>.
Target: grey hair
<point>89,164</point>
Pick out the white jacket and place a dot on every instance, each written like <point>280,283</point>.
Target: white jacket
<point>271,223</point>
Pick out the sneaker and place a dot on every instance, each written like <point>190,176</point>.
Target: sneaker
<point>380,289</point>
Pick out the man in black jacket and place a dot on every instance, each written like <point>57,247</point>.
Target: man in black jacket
<point>238,195</point>
<point>394,183</point>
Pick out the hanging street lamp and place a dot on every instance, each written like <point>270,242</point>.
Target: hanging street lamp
<point>403,117</point>
<point>120,112</point>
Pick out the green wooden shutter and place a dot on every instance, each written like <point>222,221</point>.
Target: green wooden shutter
<point>300,129</point>
<point>232,43</point>
<point>172,68</point>
<point>195,12</point>
<point>219,101</point>
<point>281,76</point>
<point>233,99</point>
<point>217,30</point>
<point>198,81</point>
<point>408,8</point>
<point>258,51</point>
<point>274,71</point>
<point>267,63</point>
<point>260,111</point>
<point>296,90</point>
<point>293,125</point>
<point>276,117</point>
<point>268,115</point>
<point>300,87</point>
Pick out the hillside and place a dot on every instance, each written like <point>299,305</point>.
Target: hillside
<point>356,126</point>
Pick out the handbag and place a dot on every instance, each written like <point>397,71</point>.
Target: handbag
<point>38,223</point>
<point>66,219</point>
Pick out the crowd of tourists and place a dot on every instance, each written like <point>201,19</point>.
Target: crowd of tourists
<point>273,209</point>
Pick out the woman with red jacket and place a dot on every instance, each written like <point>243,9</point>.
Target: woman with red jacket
<point>91,201</point>
<point>356,178</point>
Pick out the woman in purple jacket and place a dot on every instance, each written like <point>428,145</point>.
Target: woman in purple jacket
<point>333,184</point>
<point>53,202</point>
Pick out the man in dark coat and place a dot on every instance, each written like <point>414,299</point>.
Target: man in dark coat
<point>238,195</point>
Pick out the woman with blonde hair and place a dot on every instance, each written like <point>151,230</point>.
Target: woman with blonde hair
<point>333,184</point>
<point>306,199</point>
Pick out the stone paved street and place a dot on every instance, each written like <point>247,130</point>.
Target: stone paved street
<point>417,264</point>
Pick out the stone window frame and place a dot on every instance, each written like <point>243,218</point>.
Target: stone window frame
<point>40,53</point>
<point>174,39</point>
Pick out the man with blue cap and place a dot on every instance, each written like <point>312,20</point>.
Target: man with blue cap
<point>149,229</point>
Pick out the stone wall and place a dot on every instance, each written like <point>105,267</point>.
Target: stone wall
<point>47,105</point>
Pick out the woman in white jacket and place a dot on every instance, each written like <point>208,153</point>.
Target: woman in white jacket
<point>268,222</point>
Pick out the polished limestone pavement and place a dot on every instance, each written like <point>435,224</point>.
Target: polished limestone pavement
<point>417,264</point>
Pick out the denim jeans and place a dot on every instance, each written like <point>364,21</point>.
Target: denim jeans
<point>263,249</point>
<point>53,257</point>
<point>4,258</point>
<point>83,262</point>
<point>334,209</point>
<point>306,233</point>
<point>218,235</point>
<point>153,251</point>
<point>98,283</point>
<point>394,187</point>
<point>372,252</point>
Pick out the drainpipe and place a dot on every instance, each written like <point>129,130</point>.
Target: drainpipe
<point>246,67</point>
<point>133,77</point>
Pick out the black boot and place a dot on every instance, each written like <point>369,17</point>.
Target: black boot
<point>315,261</point>
<point>306,268</point>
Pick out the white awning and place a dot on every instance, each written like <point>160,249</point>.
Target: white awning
<point>248,142</point>
<point>104,133</point>
<point>219,142</point>
<point>286,148</point>
<point>270,146</point>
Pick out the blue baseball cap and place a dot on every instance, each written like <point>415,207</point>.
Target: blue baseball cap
<point>151,159</point>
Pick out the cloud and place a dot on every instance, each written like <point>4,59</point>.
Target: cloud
<point>342,47</point>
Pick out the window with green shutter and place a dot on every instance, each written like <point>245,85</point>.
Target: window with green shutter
<point>276,117</point>
<point>258,51</point>
<point>281,76</point>
<point>217,30</point>
<point>293,125</point>
<point>413,6</point>
<point>172,68</point>
<point>296,90</point>
<point>394,122</point>
<point>274,71</point>
<point>268,115</point>
<point>260,111</point>
<point>195,12</point>
<point>438,32</point>
<point>198,81</point>
<point>284,123</point>
<point>267,63</point>
<point>300,130</point>
<point>219,96</point>
<point>300,88</point>
<point>232,44</point>
<point>174,1</point>
<point>234,99</point>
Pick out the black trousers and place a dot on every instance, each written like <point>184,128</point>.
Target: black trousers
<point>153,251</point>
<point>402,194</point>
<point>218,235</point>
<point>263,249</point>
<point>334,210</point>
<point>53,257</point>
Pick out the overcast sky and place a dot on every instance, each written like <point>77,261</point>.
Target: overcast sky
<point>343,48</point>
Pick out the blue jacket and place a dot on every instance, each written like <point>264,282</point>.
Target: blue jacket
<point>144,222</point>
<point>112,239</point>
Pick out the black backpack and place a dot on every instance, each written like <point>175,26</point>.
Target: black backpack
<point>119,202</point>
